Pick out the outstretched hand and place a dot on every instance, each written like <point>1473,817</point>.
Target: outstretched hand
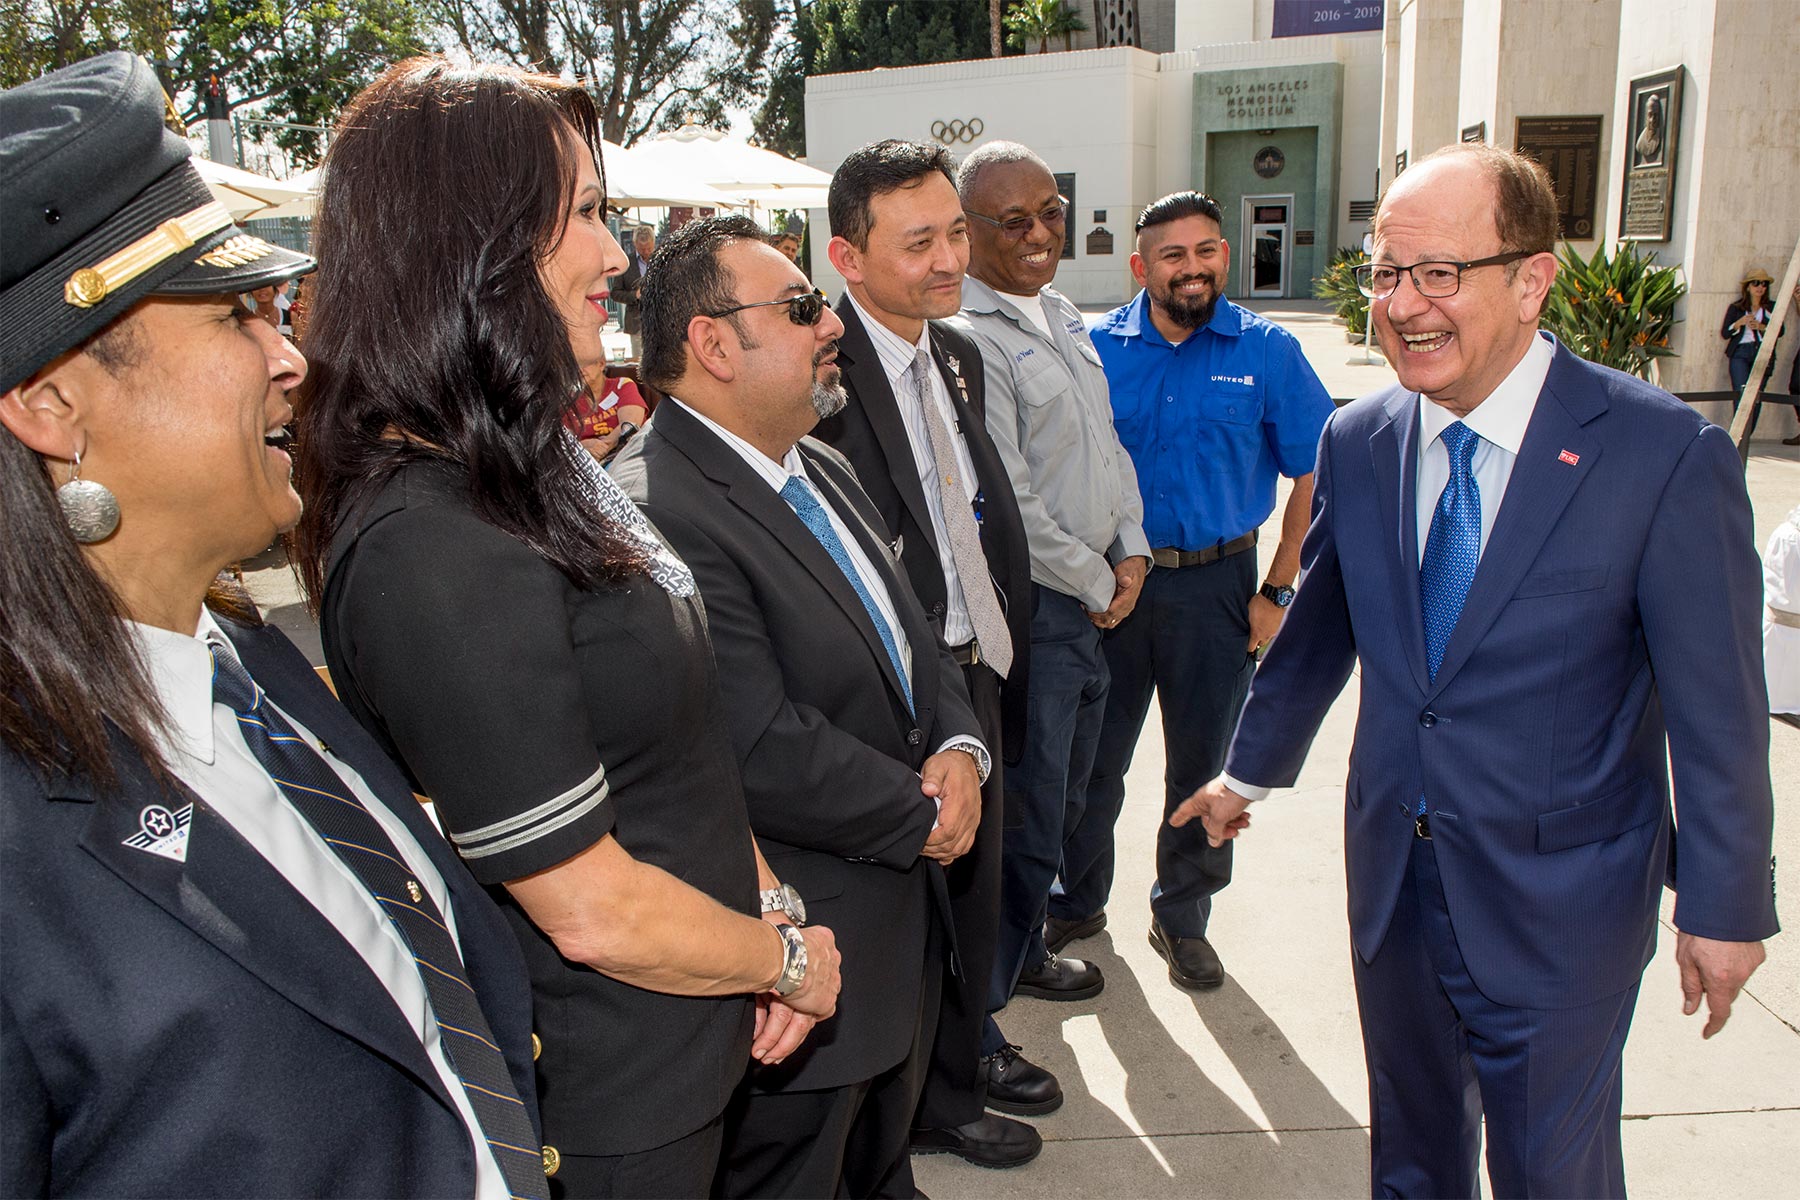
<point>1219,808</point>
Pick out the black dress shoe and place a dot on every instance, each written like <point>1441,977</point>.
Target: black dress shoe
<point>1193,963</point>
<point>1059,933</point>
<point>989,1141</point>
<point>1061,979</point>
<point>1018,1086</point>
<point>1791,441</point>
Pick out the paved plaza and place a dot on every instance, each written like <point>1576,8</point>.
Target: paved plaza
<point>1258,1089</point>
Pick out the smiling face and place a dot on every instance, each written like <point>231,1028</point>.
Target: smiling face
<point>912,269</point>
<point>786,374</point>
<point>1004,191</point>
<point>584,256</point>
<point>1183,264</point>
<point>190,434</point>
<point>1454,349</point>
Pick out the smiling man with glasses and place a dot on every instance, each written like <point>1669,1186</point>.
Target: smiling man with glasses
<point>1051,421</point>
<point>1545,571</point>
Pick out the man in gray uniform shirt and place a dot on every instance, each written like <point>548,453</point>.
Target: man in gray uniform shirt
<point>1051,421</point>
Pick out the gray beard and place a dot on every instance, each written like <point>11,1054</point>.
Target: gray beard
<point>828,399</point>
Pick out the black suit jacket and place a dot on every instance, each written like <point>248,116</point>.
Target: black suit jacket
<point>830,753</point>
<point>624,289</point>
<point>198,1028</point>
<point>870,433</point>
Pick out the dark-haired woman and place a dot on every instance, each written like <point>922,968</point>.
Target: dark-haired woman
<point>1746,321</point>
<point>208,989</point>
<point>488,599</point>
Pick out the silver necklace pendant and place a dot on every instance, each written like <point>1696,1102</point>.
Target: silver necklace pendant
<point>90,510</point>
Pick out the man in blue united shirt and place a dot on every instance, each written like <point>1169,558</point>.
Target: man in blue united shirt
<point>1212,402</point>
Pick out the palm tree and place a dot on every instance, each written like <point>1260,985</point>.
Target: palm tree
<point>994,7</point>
<point>1041,20</point>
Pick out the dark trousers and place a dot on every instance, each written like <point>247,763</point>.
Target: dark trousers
<point>1186,643</point>
<point>955,1086</point>
<point>1441,1056</point>
<point>1046,791</point>
<point>847,1141</point>
<point>1743,358</point>
<point>683,1168</point>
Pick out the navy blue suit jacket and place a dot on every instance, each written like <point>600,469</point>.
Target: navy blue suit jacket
<point>1615,613</point>
<point>198,1028</point>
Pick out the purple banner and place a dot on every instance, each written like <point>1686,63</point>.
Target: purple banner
<point>1305,18</point>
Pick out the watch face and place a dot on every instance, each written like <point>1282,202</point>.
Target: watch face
<point>795,906</point>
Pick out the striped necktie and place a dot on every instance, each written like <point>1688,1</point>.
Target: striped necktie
<point>332,809</point>
<point>801,499</point>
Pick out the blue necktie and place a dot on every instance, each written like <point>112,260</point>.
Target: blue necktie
<point>1453,547</point>
<point>812,513</point>
<point>334,812</point>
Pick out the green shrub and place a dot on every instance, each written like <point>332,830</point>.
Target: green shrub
<point>1337,285</point>
<point>1616,310</point>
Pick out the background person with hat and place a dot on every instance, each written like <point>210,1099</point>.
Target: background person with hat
<point>239,959</point>
<point>1746,320</point>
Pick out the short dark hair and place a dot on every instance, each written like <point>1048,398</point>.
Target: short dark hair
<point>875,170</point>
<point>684,280</point>
<point>1177,205</point>
<point>1524,198</point>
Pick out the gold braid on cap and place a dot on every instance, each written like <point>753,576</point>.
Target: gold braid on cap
<point>90,285</point>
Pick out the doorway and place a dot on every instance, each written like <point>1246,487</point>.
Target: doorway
<point>1269,224</point>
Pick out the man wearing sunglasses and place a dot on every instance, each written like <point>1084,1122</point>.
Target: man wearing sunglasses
<point>1213,403</point>
<point>1051,421</point>
<point>862,760</point>
<point>1545,570</point>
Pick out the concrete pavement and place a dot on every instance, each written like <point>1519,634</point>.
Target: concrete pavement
<point>1258,1089</point>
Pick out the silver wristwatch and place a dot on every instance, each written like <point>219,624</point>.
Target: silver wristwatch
<point>793,966</point>
<point>784,899</point>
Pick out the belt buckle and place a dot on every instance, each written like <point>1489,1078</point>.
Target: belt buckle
<point>974,651</point>
<point>1422,826</point>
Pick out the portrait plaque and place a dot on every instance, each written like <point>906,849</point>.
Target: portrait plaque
<point>1652,136</point>
<point>1569,149</point>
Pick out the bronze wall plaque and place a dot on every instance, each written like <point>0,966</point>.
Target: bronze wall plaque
<point>1475,133</point>
<point>1569,149</point>
<point>1100,241</point>
<point>1303,237</point>
<point>1647,212</point>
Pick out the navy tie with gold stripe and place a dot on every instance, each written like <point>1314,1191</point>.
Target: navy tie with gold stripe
<point>334,812</point>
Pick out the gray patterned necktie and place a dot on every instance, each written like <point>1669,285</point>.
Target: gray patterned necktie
<point>666,567</point>
<point>965,537</point>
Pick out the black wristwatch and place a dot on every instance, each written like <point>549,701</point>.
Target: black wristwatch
<point>1278,595</point>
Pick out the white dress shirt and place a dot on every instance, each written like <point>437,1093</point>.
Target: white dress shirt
<point>776,475</point>
<point>205,750</point>
<point>1500,422</point>
<point>897,356</point>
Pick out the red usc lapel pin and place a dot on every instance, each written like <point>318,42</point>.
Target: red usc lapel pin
<point>1569,456</point>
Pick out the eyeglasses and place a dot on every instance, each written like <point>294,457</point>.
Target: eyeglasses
<point>804,308</point>
<point>1015,228</point>
<point>1761,283</point>
<point>1435,280</point>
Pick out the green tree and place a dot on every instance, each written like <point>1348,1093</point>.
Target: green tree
<point>299,60</point>
<point>650,64</point>
<point>1041,20</point>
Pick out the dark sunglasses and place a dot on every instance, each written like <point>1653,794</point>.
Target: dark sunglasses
<point>803,309</point>
<point>1015,228</point>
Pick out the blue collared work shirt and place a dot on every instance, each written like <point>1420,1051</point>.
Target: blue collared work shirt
<point>1210,423</point>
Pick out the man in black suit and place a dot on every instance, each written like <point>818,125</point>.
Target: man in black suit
<point>900,240</point>
<point>862,760</point>
<point>626,283</point>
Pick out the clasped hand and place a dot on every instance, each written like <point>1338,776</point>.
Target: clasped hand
<point>950,777</point>
<point>782,1022</point>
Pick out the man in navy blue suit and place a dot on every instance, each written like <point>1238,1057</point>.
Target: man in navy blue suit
<point>1546,571</point>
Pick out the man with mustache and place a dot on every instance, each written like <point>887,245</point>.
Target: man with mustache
<point>1212,402</point>
<point>861,757</point>
<point>1048,415</point>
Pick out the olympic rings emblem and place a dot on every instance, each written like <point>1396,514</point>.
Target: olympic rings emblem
<point>951,132</point>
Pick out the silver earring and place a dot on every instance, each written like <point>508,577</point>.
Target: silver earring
<point>90,509</point>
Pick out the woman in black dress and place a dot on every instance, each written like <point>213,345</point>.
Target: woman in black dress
<point>510,627</point>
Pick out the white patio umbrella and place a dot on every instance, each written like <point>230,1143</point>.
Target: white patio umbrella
<point>303,206</point>
<point>245,193</point>
<point>768,178</point>
<point>634,182</point>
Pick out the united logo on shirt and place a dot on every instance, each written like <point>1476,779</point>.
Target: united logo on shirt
<point>163,832</point>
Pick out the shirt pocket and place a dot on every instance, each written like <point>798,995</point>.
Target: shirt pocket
<point>1231,403</point>
<point>1048,411</point>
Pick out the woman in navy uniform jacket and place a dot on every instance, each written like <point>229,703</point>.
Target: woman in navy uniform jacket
<point>199,996</point>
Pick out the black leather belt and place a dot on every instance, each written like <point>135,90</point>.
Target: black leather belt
<point>1168,556</point>
<point>1422,826</point>
<point>967,654</point>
